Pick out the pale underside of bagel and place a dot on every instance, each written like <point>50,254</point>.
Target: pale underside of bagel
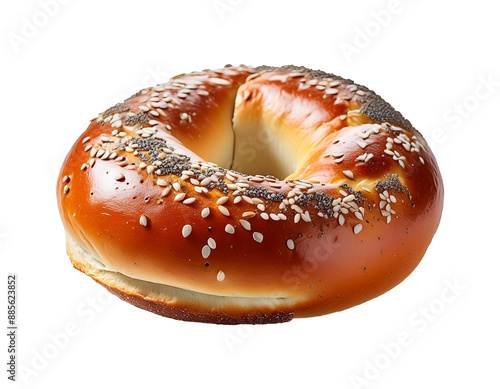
<point>179,303</point>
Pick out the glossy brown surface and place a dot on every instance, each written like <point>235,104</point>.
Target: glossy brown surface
<point>329,268</point>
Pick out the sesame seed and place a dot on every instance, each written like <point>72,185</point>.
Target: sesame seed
<point>296,218</point>
<point>119,177</point>
<point>223,210</point>
<point>361,143</point>
<point>150,169</point>
<point>248,215</point>
<point>179,197</point>
<point>219,81</point>
<point>188,201</point>
<point>165,192</point>
<point>264,215</point>
<point>86,139</point>
<point>205,251</point>
<point>220,276</point>
<point>274,216</point>
<point>348,174</point>
<point>186,230</point>
<point>258,237</point>
<point>247,199</point>
<point>357,228</point>
<point>66,189</point>
<point>205,212</point>
<point>161,182</point>
<point>143,220</point>
<point>176,186</point>
<point>245,224</point>
<point>206,181</point>
<point>290,244</point>
<point>348,198</point>
<point>211,243</point>
<point>341,220</point>
<point>229,229</point>
<point>222,200</point>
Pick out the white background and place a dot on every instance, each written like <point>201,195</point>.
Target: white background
<point>429,59</point>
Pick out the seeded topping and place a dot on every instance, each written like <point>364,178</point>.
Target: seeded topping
<point>221,276</point>
<point>358,195</point>
<point>240,197</point>
<point>263,193</point>
<point>143,221</point>
<point>391,182</point>
<point>319,201</point>
<point>118,108</point>
<point>205,251</point>
<point>140,117</point>
<point>186,230</point>
<point>258,237</point>
<point>205,212</point>
<point>211,243</point>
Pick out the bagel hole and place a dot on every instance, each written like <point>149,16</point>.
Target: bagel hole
<point>259,151</point>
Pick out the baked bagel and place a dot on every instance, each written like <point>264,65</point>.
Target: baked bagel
<point>249,195</point>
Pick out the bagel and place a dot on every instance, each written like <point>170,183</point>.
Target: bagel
<point>249,195</point>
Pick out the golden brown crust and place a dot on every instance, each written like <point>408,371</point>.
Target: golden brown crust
<point>357,201</point>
